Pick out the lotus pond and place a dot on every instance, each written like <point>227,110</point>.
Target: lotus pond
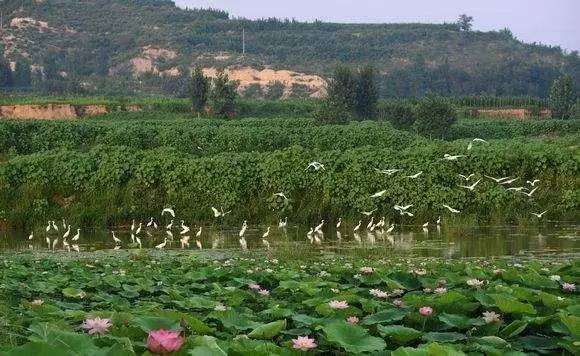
<point>256,303</point>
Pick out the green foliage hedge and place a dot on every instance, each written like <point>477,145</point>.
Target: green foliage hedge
<point>112,184</point>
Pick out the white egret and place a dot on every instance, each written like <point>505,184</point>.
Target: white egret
<point>310,232</point>
<point>54,226</point>
<point>169,211</point>
<point>370,224</point>
<point>540,215</point>
<point>63,224</point>
<point>243,229</point>
<point>426,225</point>
<point>31,236</point>
<point>357,227</point>
<point>506,182</point>
<point>390,229</point>
<point>169,234</point>
<point>266,244</point>
<point>117,241</point>
<point>198,244</point>
<point>54,243</point>
<point>470,146</point>
<point>467,178</point>
<point>379,194</point>
<point>531,192</point>
<point>497,180</point>
<point>318,228</point>
<point>452,210</point>
<point>139,229</point>
<point>368,213</point>
<point>405,207</point>
<point>449,157</point>
<point>281,195</point>
<point>439,221</point>
<point>76,248</point>
<point>243,243</point>
<point>162,245</point>
<point>133,226</point>
<point>150,223</point>
<point>66,233</point>
<point>339,223</point>
<point>138,241</point>
<point>66,245</point>
<point>533,182</point>
<point>414,176</point>
<point>77,236</point>
<point>184,241</point>
<point>517,189</point>
<point>198,233</point>
<point>184,229</point>
<point>48,242</point>
<point>132,238</point>
<point>170,225</point>
<point>219,213</point>
<point>316,165</point>
<point>48,227</point>
<point>381,223</point>
<point>283,223</point>
<point>267,233</point>
<point>388,172</point>
<point>470,187</point>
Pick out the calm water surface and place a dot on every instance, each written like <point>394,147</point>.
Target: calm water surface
<point>452,242</point>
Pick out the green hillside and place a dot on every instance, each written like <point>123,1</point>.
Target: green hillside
<point>96,40</point>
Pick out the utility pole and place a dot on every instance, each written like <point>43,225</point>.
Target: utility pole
<point>243,42</point>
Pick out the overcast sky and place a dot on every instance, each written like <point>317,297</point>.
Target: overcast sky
<point>555,22</point>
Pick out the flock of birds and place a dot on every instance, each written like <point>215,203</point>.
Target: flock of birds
<point>314,235</point>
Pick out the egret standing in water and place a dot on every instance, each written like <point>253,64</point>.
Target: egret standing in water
<point>198,233</point>
<point>162,245</point>
<point>66,233</point>
<point>139,229</point>
<point>77,236</point>
<point>115,239</point>
<point>357,227</point>
<point>31,236</point>
<point>319,227</point>
<point>243,229</point>
<point>170,226</point>
<point>339,223</point>
<point>266,234</point>
<point>243,243</point>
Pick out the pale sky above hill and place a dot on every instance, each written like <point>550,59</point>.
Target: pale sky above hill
<point>554,22</point>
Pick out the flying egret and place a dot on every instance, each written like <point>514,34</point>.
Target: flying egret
<point>169,211</point>
<point>184,241</point>
<point>77,236</point>
<point>449,157</point>
<point>316,165</point>
<point>454,211</point>
<point>219,213</point>
<point>388,172</point>
<point>281,195</point>
<point>379,194</point>
<point>139,229</point>
<point>415,175</point>
<point>467,178</point>
<point>267,233</point>
<point>170,225</point>
<point>510,181</point>
<point>402,208</point>
<point>540,215</point>
<point>533,182</point>
<point>470,146</point>
<point>162,245</point>
<point>531,192</point>
<point>318,228</point>
<point>117,241</point>
<point>517,189</point>
<point>198,233</point>
<point>498,180</point>
<point>339,223</point>
<point>357,227</point>
<point>368,213</point>
<point>470,187</point>
<point>31,236</point>
<point>370,224</point>
<point>283,223</point>
<point>66,233</point>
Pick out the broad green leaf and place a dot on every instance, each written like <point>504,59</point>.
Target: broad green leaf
<point>206,346</point>
<point>352,338</point>
<point>459,321</point>
<point>149,323</point>
<point>73,293</point>
<point>511,305</point>
<point>409,351</point>
<point>268,331</point>
<point>435,349</point>
<point>398,333</point>
<point>513,329</point>
<point>443,337</point>
<point>385,317</point>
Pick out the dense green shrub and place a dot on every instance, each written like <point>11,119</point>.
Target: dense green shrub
<point>434,116</point>
<point>400,114</point>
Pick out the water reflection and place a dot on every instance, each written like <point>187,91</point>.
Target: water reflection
<point>449,242</point>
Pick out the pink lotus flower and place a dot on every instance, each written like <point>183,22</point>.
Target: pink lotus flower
<point>164,342</point>
<point>398,303</point>
<point>426,311</point>
<point>491,317</point>
<point>353,319</point>
<point>264,292</point>
<point>303,343</point>
<point>254,286</point>
<point>97,326</point>
<point>335,304</point>
<point>568,287</point>
<point>367,270</point>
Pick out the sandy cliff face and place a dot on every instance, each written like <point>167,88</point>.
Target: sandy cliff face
<point>42,112</point>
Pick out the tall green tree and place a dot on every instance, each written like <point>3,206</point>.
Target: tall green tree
<point>6,77</point>
<point>465,23</point>
<point>367,94</point>
<point>223,96</point>
<point>434,115</point>
<point>22,75</point>
<point>562,98</point>
<point>198,90</point>
<point>275,90</point>
<point>342,87</point>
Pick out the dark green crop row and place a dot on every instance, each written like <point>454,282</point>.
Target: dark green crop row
<point>107,185</point>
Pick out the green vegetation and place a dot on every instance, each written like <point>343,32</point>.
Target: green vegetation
<point>408,55</point>
<point>199,87</point>
<point>259,306</point>
<point>434,116</point>
<point>562,98</point>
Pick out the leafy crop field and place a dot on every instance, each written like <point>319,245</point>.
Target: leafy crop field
<point>257,305</point>
<point>108,171</point>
